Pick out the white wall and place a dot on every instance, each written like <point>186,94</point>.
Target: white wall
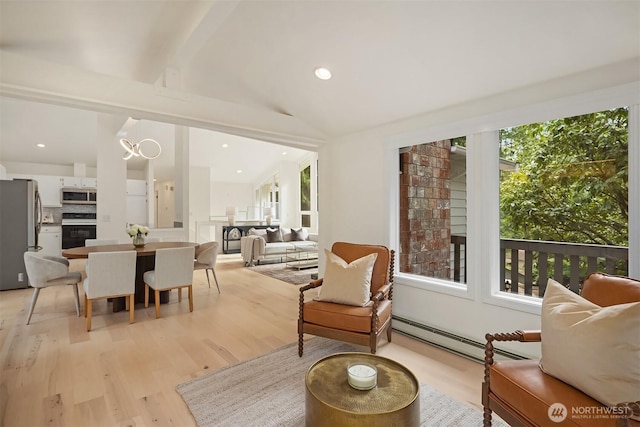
<point>199,198</point>
<point>166,203</point>
<point>289,175</point>
<point>358,203</point>
<point>112,179</point>
<point>45,169</point>
<point>225,194</point>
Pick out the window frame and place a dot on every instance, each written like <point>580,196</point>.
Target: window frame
<point>483,232</point>
<point>312,162</point>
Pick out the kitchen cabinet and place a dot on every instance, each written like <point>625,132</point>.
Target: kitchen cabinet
<point>50,239</point>
<point>49,189</point>
<point>78,182</point>
<point>137,202</point>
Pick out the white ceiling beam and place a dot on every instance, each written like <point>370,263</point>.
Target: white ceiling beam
<point>43,81</point>
<point>217,14</point>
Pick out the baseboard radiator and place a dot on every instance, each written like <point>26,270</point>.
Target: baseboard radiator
<point>457,344</point>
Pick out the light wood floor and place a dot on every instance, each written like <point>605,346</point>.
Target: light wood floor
<point>55,373</point>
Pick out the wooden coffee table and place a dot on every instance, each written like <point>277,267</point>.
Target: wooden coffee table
<point>331,401</point>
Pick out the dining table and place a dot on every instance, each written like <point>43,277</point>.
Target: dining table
<point>145,261</point>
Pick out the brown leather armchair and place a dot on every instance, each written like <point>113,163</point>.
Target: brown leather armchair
<point>521,393</point>
<point>356,325</point>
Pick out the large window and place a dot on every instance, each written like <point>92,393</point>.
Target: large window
<point>564,210</point>
<point>305,196</point>
<point>432,215</point>
<point>269,197</point>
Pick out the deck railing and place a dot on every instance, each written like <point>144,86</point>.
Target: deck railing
<point>536,261</point>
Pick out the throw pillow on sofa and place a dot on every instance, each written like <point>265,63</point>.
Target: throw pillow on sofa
<point>260,232</point>
<point>273,235</point>
<point>299,235</point>
<point>595,349</point>
<point>347,283</point>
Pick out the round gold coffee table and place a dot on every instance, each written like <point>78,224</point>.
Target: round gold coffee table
<point>331,401</point>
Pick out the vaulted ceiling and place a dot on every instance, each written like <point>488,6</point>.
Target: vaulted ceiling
<point>247,67</point>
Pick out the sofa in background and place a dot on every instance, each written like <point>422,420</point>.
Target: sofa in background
<point>272,244</point>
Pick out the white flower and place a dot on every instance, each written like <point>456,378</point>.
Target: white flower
<point>137,230</point>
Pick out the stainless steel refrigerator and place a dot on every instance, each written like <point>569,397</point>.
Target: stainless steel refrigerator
<point>20,222</point>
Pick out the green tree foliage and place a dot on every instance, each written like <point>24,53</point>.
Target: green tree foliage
<point>571,184</point>
<point>305,189</point>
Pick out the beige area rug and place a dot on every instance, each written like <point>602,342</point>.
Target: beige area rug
<point>289,275</point>
<point>269,391</point>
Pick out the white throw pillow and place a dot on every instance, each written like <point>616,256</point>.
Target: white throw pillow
<point>258,232</point>
<point>595,349</point>
<point>347,283</point>
<point>286,234</point>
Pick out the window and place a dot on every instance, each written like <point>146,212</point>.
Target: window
<point>305,196</point>
<point>564,209</point>
<point>433,210</point>
<point>270,197</point>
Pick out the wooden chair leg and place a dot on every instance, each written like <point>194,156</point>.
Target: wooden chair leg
<point>131,306</point>
<point>300,344</point>
<point>190,297</point>
<point>146,295</point>
<point>179,294</point>
<point>85,305</point>
<point>157,295</point>
<point>89,309</point>
<point>206,270</point>
<point>34,298</point>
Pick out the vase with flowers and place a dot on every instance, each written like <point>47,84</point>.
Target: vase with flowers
<point>138,232</point>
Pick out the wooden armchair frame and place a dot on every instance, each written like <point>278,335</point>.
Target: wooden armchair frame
<point>488,402</point>
<point>599,288</point>
<point>384,292</point>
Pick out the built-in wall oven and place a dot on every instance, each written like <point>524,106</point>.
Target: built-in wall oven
<point>77,227</point>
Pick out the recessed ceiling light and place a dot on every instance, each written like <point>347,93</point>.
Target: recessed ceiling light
<point>40,145</point>
<point>284,153</point>
<point>225,145</point>
<point>239,171</point>
<point>323,73</point>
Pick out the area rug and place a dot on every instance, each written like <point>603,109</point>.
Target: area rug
<point>289,275</point>
<point>269,391</point>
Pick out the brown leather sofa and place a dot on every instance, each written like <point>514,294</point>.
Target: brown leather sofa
<point>520,393</point>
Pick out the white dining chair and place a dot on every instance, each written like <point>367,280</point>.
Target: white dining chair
<point>98,242</point>
<point>44,271</point>
<point>206,257</point>
<point>110,275</point>
<point>173,270</point>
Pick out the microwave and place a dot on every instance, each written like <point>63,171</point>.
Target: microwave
<point>79,196</point>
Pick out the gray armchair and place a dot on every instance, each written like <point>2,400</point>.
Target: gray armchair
<point>206,257</point>
<point>44,271</point>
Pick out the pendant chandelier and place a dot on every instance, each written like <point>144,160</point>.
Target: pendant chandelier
<point>136,150</point>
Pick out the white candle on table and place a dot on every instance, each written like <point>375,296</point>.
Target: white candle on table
<point>362,376</point>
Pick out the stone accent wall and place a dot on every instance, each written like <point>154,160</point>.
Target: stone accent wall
<point>425,215</point>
